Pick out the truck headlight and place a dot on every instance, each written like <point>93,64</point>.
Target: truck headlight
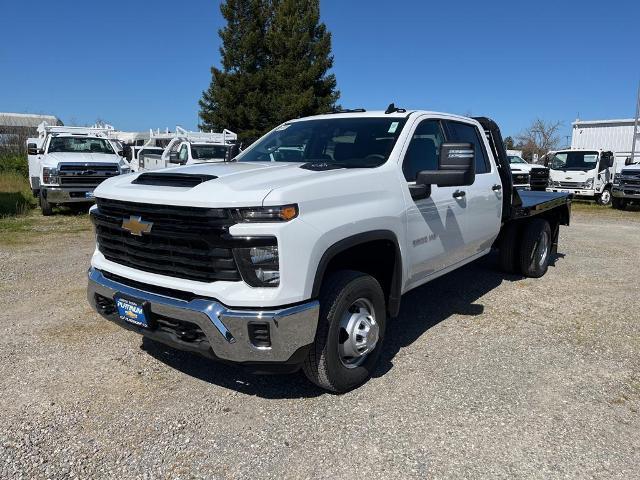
<point>589,183</point>
<point>269,214</point>
<point>259,266</point>
<point>49,175</point>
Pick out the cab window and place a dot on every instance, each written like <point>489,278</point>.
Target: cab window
<point>423,150</point>
<point>467,133</point>
<point>183,154</point>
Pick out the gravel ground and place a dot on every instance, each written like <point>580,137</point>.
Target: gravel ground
<point>484,376</point>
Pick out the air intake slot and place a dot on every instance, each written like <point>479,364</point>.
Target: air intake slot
<point>172,179</point>
<point>259,334</point>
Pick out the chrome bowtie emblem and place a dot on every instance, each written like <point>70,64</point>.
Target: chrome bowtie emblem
<point>136,226</point>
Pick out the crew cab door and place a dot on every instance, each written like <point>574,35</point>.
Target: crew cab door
<point>484,197</point>
<point>452,224</point>
<point>435,224</point>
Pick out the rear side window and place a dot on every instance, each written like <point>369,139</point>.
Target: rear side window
<point>464,132</point>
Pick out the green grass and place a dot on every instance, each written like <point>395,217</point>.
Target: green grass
<point>32,226</point>
<point>14,163</point>
<point>15,194</point>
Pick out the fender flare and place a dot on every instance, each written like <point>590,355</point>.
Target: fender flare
<point>395,290</point>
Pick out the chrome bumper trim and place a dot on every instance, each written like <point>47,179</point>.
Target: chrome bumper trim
<point>63,195</point>
<point>226,330</point>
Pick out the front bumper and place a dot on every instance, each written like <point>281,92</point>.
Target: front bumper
<point>226,331</point>
<point>67,195</point>
<point>578,192</point>
<point>625,191</point>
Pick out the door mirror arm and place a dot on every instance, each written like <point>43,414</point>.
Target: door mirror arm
<point>420,191</point>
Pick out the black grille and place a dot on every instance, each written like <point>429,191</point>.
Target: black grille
<point>85,175</point>
<point>184,242</point>
<point>82,181</point>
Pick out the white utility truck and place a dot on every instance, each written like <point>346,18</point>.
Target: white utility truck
<point>67,163</point>
<point>583,173</point>
<point>626,186</point>
<point>527,175</point>
<point>187,148</point>
<point>295,254</point>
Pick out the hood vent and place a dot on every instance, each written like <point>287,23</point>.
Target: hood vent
<point>172,179</point>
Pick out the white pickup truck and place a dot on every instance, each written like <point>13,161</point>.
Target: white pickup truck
<point>527,175</point>
<point>626,186</point>
<point>67,163</point>
<point>297,253</point>
<point>584,173</point>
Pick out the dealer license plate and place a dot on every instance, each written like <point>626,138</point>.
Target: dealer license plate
<point>132,311</point>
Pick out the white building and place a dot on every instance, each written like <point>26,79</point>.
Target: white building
<point>613,135</point>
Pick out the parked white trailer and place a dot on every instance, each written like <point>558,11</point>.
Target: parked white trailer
<point>608,135</point>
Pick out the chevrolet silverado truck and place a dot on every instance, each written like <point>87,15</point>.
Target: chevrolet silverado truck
<point>297,253</point>
<point>528,176</point>
<point>67,163</point>
<point>586,174</point>
<point>626,186</point>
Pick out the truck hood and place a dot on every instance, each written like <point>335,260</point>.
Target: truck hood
<point>571,175</point>
<point>52,159</point>
<point>236,184</point>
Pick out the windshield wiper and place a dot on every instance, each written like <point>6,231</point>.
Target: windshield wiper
<point>322,165</point>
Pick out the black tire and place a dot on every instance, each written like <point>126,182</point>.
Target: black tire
<point>533,261</point>
<point>323,365</point>
<point>45,206</point>
<point>618,203</point>
<point>508,249</point>
<point>604,198</point>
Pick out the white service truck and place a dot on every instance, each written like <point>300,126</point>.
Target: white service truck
<point>188,148</point>
<point>584,173</point>
<point>297,253</point>
<point>67,163</point>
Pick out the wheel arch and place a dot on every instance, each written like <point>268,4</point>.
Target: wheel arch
<point>349,253</point>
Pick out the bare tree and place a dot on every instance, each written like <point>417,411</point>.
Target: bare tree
<point>539,138</point>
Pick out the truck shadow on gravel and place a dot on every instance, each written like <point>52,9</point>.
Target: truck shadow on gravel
<point>453,294</point>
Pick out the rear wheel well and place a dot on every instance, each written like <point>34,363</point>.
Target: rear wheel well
<point>379,258</point>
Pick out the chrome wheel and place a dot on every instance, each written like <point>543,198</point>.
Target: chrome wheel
<point>541,251</point>
<point>605,197</point>
<point>358,333</point>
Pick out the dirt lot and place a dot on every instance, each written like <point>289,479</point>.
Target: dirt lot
<point>484,375</point>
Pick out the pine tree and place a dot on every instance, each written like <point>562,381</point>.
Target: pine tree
<point>235,98</point>
<point>275,59</point>
<point>300,51</point>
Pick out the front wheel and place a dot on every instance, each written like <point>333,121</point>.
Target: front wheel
<point>350,331</point>
<point>45,206</point>
<point>618,203</point>
<point>604,198</point>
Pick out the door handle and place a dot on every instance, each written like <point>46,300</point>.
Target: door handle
<point>458,194</point>
<point>496,188</point>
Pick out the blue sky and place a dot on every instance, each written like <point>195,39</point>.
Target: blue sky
<point>139,66</point>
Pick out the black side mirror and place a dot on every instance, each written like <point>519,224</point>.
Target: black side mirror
<point>32,149</point>
<point>121,153</point>
<point>456,167</point>
<point>628,161</point>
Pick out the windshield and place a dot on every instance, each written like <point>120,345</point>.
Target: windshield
<point>206,152</point>
<point>79,145</point>
<point>349,142</point>
<point>583,161</point>
<point>515,159</point>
